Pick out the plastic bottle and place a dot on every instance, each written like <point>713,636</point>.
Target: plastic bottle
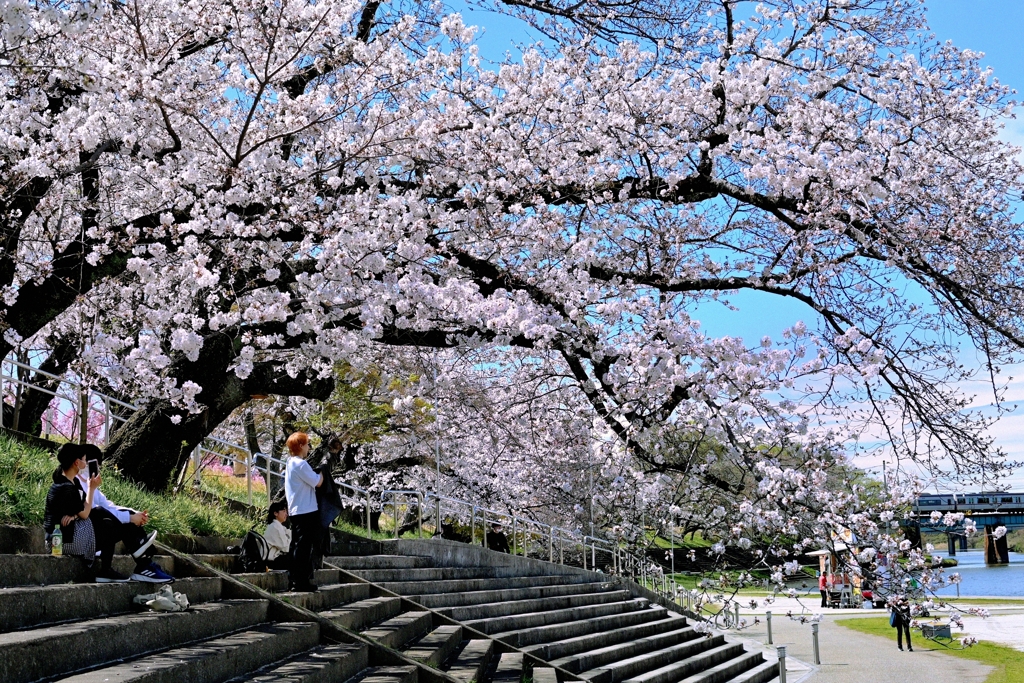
<point>57,542</point>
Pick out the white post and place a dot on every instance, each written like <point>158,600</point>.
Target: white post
<point>814,642</point>
<point>768,618</point>
<point>369,533</point>
<point>472,527</point>
<point>248,478</point>
<point>782,663</point>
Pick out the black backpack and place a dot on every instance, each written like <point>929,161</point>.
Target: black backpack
<point>254,552</point>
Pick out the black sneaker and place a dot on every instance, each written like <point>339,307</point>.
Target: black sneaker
<point>148,541</point>
<point>110,576</point>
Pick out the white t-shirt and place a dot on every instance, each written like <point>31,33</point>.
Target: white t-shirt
<point>300,486</point>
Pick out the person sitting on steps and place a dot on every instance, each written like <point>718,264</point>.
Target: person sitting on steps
<point>114,523</point>
<point>69,506</point>
<point>278,537</point>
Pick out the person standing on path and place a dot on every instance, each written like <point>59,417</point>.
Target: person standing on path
<point>823,589</point>
<point>300,484</point>
<point>901,622</point>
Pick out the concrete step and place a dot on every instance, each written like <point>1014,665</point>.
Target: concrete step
<point>509,669</point>
<point>364,613</point>
<point>387,674</point>
<point>630,667</point>
<point>613,636</point>
<point>468,585</point>
<point>603,656</point>
<point>544,674</point>
<point>433,573</point>
<point>555,632</point>
<point>328,597</point>
<point>397,631</point>
<point>379,561</point>
<point>223,561</point>
<point>30,655</point>
<point>517,622</point>
<point>212,661</point>
<point>728,669</point>
<point>444,600</point>
<point>434,648</point>
<point>510,607</point>
<point>686,669</point>
<point>43,570</point>
<point>30,606</point>
<point>471,662</point>
<point>321,665</point>
<point>272,581</point>
<point>765,672</point>
<point>324,577</point>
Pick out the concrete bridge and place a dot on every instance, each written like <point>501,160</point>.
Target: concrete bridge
<point>988,510</point>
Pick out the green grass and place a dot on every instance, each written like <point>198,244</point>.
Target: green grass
<point>1007,662</point>
<point>26,474</point>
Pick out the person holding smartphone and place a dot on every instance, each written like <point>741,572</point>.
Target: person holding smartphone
<point>114,523</point>
<point>69,506</point>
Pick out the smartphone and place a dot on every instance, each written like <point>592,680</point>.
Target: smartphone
<point>94,468</point>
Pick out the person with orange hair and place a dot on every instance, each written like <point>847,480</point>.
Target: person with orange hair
<point>300,484</point>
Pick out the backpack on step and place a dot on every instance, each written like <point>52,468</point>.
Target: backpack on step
<point>254,552</point>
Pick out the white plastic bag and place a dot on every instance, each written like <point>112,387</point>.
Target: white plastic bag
<point>164,600</point>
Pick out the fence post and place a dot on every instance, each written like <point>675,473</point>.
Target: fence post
<point>814,641</point>
<point>419,513</point>
<point>768,618</point>
<point>197,461</point>
<point>584,553</point>
<point>472,527</point>
<point>437,525</point>
<point>107,420</point>
<point>551,543</point>
<point>394,512</point>
<point>515,547</point>
<point>369,534</point>
<point>737,610</point>
<point>782,663</point>
<point>248,477</point>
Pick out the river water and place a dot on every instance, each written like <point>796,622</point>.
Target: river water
<point>978,579</point>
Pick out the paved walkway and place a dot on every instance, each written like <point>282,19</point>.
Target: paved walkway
<point>848,656</point>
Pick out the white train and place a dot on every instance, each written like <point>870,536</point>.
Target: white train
<point>967,502</point>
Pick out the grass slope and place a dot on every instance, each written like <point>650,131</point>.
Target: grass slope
<point>1008,663</point>
<point>26,475</point>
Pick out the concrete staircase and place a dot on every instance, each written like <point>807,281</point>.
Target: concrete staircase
<point>54,627</point>
<point>424,612</point>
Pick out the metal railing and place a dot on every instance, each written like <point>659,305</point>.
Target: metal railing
<point>627,560</point>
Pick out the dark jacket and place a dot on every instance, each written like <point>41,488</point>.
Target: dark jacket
<point>64,498</point>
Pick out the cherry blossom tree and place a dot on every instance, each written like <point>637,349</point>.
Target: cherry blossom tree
<point>229,200</point>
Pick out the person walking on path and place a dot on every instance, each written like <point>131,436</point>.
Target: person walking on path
<point>900,620</point>
<point>300,484</point>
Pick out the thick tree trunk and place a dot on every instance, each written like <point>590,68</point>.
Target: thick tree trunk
<point>151,450</point>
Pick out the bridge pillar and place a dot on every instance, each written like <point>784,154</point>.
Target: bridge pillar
<point>963,541</point>
<point>996,550</point>
<point>951,542</point>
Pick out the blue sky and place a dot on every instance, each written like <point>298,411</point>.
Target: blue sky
<point>989,26</point>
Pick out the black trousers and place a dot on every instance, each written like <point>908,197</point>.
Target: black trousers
<point>306,535</point>
<point>824,598</point>
<point>903,626</point>
<point>109,530</point>
<point>281,563</point>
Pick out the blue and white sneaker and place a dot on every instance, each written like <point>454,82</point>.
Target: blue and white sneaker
<point>152,573</point>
